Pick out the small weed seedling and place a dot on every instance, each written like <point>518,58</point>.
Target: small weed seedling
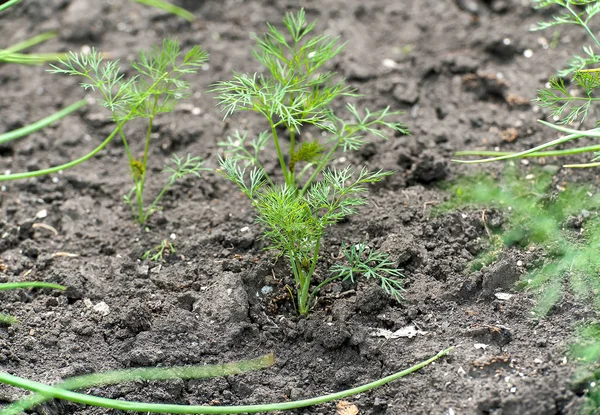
<point>296,93</point>
<point>158,254</point>
<point>568,103</point>
<point>565,224</point>
<point>157,88</point>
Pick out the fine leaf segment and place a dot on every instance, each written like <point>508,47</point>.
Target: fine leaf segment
<point>296,94</point>
<point>568,104</point>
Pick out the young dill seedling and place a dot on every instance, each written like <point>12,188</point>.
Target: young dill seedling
<point>160,252</point>
<point>155,89</point>
<point>568,103</point>
<point>297,93</point>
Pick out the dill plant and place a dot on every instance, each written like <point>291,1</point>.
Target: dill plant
<point>156,89</point>
<point>571,94</point>
<point>297,207</point>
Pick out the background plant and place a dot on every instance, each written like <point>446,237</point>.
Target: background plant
<point>297,93</point>
<point>568,103</point>
<point>564,224</point>
<point>156,89</point>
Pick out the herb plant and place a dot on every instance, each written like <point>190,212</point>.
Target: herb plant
<point>156,89</point>
<point>565,225</point>
<point>297,94</point>
<point>568,103</point>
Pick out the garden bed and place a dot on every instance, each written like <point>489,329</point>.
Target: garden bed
<point>463,71</point>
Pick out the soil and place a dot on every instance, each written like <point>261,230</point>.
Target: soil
<point>463,71</point>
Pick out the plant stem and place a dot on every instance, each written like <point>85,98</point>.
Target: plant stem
<point>38,125</point>
<point>42,37</point>
<point>8,4</point>
<point>284,168</point>
<point>320,167</point>
<point>54,392</point>
<point>582,23</point>
<point>73,163</point>
<point>571,151</point>
<point>574,135</point>
<point>30,284</point>
<point>171,8</point>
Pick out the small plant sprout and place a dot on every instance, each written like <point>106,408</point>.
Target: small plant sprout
<point>158,254</point>
<point>156,88</point>
<point>297,93</point>
<point>568,102</point>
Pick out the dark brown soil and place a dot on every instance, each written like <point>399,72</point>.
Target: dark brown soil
<point>462,84</point>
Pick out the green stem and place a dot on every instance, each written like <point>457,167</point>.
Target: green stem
<point>73,163</point>
<point>44,122</point>
<point>320,167</point>
<point>305,286</point>
<point>574,135</point>
<point>284,168</point>
<point>8,4</point>
<point>146,374</point>
<point>582,23</point>
<point>171,8</point>
<point>54,392</point>
<point>555,153</point>
<point>30,58</point>
<point>30,284</point>
<point>42,37</point>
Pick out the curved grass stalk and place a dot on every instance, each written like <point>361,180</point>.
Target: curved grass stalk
<point>73,163</point>
<point>30,284</point>
<point>55,392</point>
<point>535,151</point>
<point>555,153</point>
<point>44,122</point>
<point>8,4</point>
<point>171,8</point>
<point>129,375</point>
<point>12,55</point>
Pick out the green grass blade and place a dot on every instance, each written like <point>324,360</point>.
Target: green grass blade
<point>28,129</point>
<point>573,134</point>
<point>146,374</point>
<point>8,4</point>
<point>30,284</point>
<point>54,392</point>
<point>171,8</point>
<point>30,58</point>
<point>42,37</point>
<point>555,153</point>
